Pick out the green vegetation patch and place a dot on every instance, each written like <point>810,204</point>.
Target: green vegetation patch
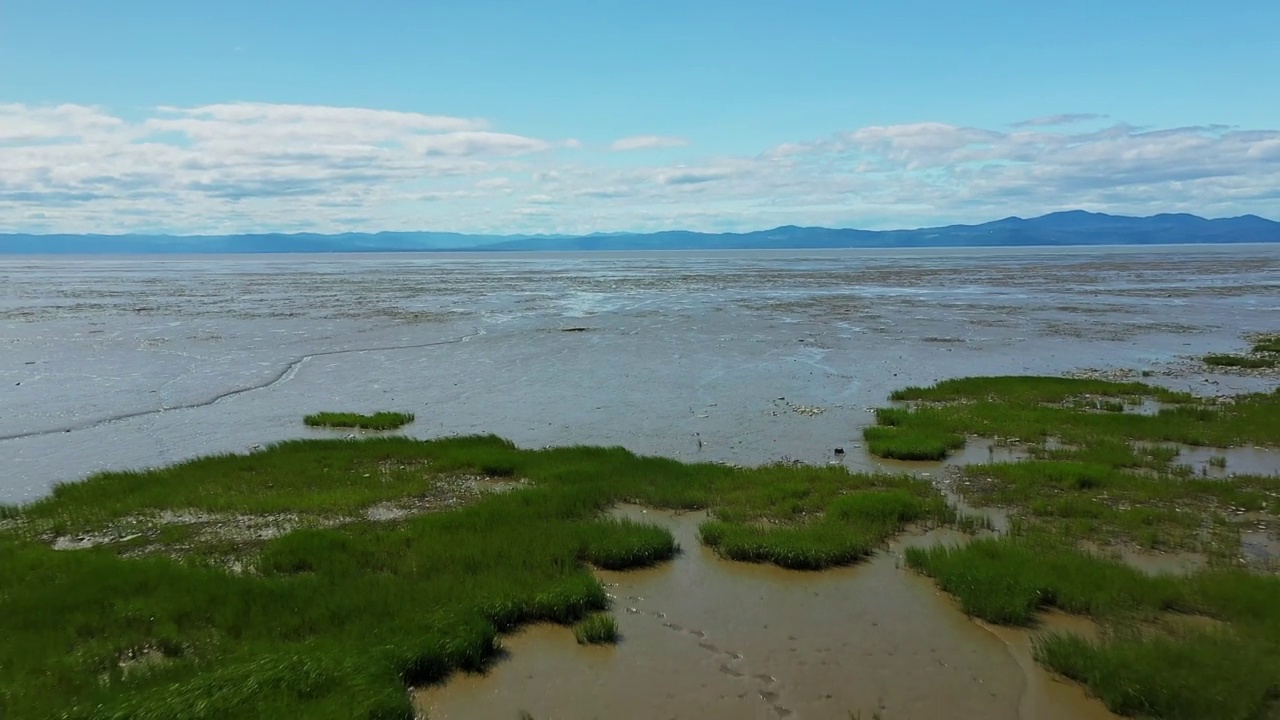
<point>1240,361</point>
<point>1267,344</point>
<point>1102,456</point>
<point>597,629</point>
<point>851,527</point>
<point>1140,667</point>
<point>334,617</point>
<point>1264,353</point>
<point>1102,466</point>
<point>1076,413</point>
<point>376,421</point>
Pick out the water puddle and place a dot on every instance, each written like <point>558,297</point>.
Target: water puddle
<point>709,639</point>
<point>1152,563</point>
<point>1260,547</point>
<point>1226,462</point>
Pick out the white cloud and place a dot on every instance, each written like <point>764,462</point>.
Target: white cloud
<point>647,142</point>
<point>463,144</point>
<point>241,167</point>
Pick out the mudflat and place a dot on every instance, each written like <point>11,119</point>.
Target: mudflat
<point>743,357</point>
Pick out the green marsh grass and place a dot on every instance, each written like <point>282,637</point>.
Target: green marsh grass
<point>1100,473</point>
<point>1267,344</point>
<point>596,629</point>
<point>1230,671</point>
<point>376,421</point>
<point>1195,675</point>
<point>1239,361</point>
<point>334,621</point>
<point>850,529</point>
<point>1037,409</point>
<point>1093,470</point>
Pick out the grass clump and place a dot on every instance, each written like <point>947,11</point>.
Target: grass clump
<point>850,529</point>
<point>898,443</point>
<point>1267,344</point>
<point>597,629</point>
<point>376,421</point>
<point>624,544</point>
<point>1239,361</point>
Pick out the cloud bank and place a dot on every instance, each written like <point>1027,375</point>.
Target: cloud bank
<point>253,167</point>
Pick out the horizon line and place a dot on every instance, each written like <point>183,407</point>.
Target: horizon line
<point>264,233</point>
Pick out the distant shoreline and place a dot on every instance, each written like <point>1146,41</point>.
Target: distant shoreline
<point>495,253</point>
<point>1075,228</point>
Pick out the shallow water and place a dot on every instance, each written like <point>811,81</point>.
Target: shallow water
<point>1239,461</point>
<point>710,639</point>
<point>109,363</point>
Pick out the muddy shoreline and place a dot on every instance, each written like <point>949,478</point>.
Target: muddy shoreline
<point>709,638</point>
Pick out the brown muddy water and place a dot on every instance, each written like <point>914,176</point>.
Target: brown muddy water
<point>717,640</point>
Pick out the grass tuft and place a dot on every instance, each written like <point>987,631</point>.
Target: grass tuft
<point>1239,361</point>
<point>851,528</point>
<point>1267,344</point>
<point>376,421</point>
<point>900,443</point>
<point>625,545</point>
<point>597,629</point>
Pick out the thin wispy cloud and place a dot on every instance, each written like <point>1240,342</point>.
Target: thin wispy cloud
<point>647,142</point>
<point>242,167</point>
<point>1057,120</point>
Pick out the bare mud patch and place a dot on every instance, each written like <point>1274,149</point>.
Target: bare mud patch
<point>711,639</point>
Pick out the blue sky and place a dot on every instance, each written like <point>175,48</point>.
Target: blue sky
<point>140,115</point>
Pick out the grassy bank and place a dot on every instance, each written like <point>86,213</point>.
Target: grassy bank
<point>376,421</point>
<point>1102,467</point>
<point>1148,664</point>
<point>179,613</point>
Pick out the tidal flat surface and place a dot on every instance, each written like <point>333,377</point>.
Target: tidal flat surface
<point>741,357</point>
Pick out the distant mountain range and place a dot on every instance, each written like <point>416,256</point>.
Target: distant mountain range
<point>1075,227</point>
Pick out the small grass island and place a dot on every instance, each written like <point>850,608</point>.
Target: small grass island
<point>377,421</point>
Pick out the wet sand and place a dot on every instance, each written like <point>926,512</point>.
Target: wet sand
<point>113,363</point>
<point>709,639</point>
